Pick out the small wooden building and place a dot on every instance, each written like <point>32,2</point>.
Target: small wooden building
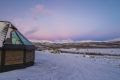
<point>15,50</point>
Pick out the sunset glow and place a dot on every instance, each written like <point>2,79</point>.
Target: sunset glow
<point>64,19</point>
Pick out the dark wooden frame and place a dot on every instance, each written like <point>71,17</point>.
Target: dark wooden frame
<point>23,48</point>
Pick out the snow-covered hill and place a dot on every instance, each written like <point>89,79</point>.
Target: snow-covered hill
<point>64,41</point>
<point>113,40</point>
<point>73,41</point>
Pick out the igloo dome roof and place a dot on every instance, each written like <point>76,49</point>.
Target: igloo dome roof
<point>10,35</point>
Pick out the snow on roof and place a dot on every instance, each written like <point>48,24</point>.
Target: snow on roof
<point>3,31</point>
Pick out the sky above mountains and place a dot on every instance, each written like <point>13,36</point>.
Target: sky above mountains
<point>64,19</point>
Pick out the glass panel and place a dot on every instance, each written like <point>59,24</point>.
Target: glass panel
<point>24,40</point>
<point>15,39</point>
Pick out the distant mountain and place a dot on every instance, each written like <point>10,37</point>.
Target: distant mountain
<point>65,41</point>
<point>114,40</point>
<point>41,41</point>
<point>72,41</point>
<point>45,44</point>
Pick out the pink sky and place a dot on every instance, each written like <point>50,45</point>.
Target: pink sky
<point>64,19</point>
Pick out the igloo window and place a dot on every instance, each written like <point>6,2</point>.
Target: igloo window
<point>23,39</point>
<point>15,38</point>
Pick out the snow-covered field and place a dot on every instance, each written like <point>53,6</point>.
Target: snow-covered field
<point>67,67</point>
<point>95,50</point>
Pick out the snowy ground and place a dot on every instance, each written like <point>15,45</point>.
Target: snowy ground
<point>67,67</point>
<point>95,50</point>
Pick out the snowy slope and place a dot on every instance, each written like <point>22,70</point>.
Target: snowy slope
<point>113,51</point>
<point>65,41</point>
<point>66,67</point>
<point>113,40</point>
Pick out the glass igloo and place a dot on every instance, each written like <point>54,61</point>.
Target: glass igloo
<point>15,50</point>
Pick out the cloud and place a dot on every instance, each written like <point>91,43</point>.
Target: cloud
<point>26,26</point>
<point>33,29</point>
<point>39,10</point>
<point>30,24</point>
<point>50,28</point>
